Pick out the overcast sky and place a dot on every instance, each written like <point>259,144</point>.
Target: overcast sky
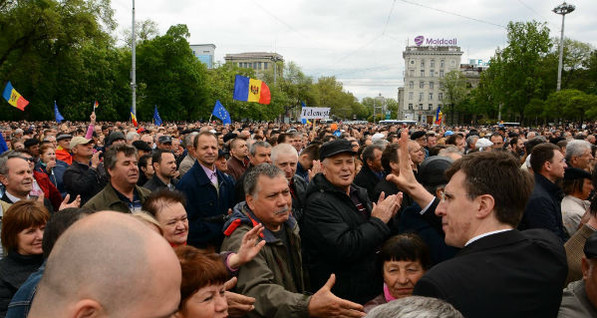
<point>359,42</point>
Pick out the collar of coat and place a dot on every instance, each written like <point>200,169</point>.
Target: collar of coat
<point>243,215</point>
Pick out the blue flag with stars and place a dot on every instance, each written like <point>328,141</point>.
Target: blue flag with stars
<point>156,116</point>
<point>57,114</point>
<point>221,112</point>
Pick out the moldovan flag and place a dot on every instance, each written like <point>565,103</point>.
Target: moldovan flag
<point>134,118</point>
<point>251,90</point>
<point>438,116</point>
<point>14,98</point>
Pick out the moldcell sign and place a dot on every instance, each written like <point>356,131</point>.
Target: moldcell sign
<point>421,40</point>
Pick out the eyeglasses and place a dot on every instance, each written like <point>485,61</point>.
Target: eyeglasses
<point>30,159</point>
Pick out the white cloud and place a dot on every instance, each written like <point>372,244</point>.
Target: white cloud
<point>344,38</point>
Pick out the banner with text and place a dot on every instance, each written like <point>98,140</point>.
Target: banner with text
<point>315,112</point>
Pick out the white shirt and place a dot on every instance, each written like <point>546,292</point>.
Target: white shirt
<point>478,237</point>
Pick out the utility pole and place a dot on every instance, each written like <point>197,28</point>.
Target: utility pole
<point>133,70</point>
<point>562,9</point>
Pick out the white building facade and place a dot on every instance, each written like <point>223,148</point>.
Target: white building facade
<point>422,92</point>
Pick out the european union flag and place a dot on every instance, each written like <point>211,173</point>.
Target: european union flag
<point>57,114</point>
<point>156,116</point>
<point>221,112</point>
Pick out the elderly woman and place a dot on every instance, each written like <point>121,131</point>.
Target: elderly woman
<point>22,232</point>
<point>202,289</point>
<point>405,258</point>
<point>577,186</point>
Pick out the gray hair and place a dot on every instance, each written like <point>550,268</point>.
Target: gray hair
<point>449,149</point>
<point>415,307</point>
<point>470,140</point>
<point>4,159</point>
<point>576,148</point>
<point>131,135</point>
<point>253,148</point>
<point>283,148</point>
<point>252,177</point>
<point>188,139</point>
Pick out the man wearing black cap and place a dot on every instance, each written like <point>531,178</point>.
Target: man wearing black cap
<point>341,229</point>
<point>115,137</point>
<point>32,147</point>
<point>142,148</point>
<point>165,143</point>
<point>580,297</point>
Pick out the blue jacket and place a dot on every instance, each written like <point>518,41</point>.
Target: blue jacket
<point>207,208</point>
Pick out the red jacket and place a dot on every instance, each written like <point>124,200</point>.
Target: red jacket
<point>49,189</point>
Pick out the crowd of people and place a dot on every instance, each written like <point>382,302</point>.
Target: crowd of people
<point>296,220</point>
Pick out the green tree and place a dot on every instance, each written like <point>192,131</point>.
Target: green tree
<point>454,88</point>
<point>516,76</point>
<point>172,78</point>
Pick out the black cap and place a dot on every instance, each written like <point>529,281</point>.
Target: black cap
<point>222,153</point>
<point>141,145</point>
<point>575,173</point>
<point>591,246</point>
<point>113,136</point>
<point>335,147</point>
<point>31,142</point>
<point>417,134</point>
<point>229,136</point>
<point>431,171</point>
<point>64,136</point>
<point>165,140</point>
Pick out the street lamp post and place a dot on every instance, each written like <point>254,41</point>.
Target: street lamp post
<point>133,68</point>
<point>562,9</point>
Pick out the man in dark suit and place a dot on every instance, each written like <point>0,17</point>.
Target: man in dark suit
<point>544,210</point>
<point>209,193</point>
<point>500,271</point>
<point>372,171</point>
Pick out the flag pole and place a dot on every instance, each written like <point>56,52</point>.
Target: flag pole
<point>209,121</point>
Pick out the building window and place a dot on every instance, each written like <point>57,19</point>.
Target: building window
<point>259,65</point>
<point>420,106</point>
<point>421,97</point>
<point>411,84</point>
<point>432,63</point>
<point>431,85</point>
<point>430,96</point>
<point>422,73</point>
<point>410,106</point>
<point>265,65</point>
<point>410,95</point>
<point>441,73</point>
<point>430,107</point>
<point>431,73</point>
<point>422,63</point>
<point>440,96</point>
<point>421,84</point>
<point>412,73</point>
<point>442,63</point>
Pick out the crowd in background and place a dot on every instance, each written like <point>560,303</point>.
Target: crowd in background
<point>297,220</point>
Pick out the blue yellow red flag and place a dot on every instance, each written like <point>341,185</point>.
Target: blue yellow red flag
<point>251,90</point>
<point>438,116</point>
<point>14,98</point>
<point>134,118</point>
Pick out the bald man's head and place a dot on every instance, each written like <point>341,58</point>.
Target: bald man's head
<point>112,265</point>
